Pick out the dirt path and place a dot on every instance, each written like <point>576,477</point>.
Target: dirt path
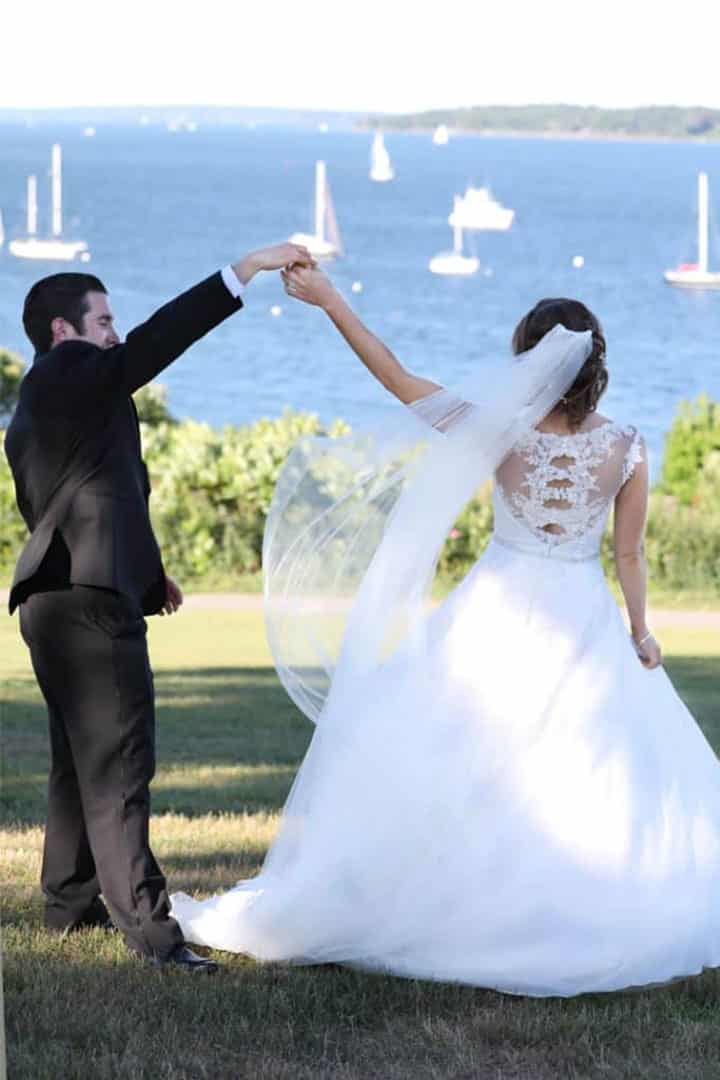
<point>253,602</point>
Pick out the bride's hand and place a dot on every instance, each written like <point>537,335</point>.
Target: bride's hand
<point>311,286</point>
<point>649,653</point>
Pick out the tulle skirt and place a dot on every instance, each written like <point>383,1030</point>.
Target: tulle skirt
<point>529,810</point>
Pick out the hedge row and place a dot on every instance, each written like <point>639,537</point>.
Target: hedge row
<point>212,489</point>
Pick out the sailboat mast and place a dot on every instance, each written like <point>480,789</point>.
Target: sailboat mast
<point>320,202</point>
<point>32,205</point>
<point>56,190</point>
<point>457,229</point>
<point>703,221</point>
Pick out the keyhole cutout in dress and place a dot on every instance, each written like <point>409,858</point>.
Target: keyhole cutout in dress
<point>564,461</point>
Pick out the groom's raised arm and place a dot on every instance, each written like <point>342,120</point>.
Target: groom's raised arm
<point>165,336</point>
<point>173,328</point>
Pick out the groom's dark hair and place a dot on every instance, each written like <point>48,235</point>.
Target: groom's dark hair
<point>61,296</point>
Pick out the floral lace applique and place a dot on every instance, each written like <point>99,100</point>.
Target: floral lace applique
<point>560,493</point>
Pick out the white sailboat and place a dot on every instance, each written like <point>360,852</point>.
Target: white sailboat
<point>455,262</point>
<point>325,242</point>
<point>54,248</point>
<point>697,275</point>
<point>440,135</point>
<point>381,169</point>
<point>477,209</point>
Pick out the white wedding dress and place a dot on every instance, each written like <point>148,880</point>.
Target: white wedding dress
<point>532,810</point>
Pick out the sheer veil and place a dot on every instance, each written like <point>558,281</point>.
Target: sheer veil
<point>357,523</point>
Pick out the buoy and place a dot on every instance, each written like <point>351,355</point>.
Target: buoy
<point>578,261</point>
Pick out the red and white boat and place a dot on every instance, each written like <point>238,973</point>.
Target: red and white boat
<point>697,275</point>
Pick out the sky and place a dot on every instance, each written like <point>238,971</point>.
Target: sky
<point>364,55</point>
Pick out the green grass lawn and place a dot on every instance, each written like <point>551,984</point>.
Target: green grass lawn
<point>228,747</point>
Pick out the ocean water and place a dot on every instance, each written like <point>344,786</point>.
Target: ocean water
<point>161,210</point>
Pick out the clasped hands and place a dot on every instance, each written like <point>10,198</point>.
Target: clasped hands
<point>301,277</point>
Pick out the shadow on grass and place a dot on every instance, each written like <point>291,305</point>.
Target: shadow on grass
<point>230,740</point>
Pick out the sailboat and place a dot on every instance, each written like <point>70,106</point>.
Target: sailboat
<point>697,275</point>
<point>381,168</point>
<point>53,248</point>
<point>477,209</point>
<point>440,135</point>
<point>325,242</point>
<point>455,262</point>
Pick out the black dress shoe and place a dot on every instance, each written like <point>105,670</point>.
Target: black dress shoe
<point>184,958</point>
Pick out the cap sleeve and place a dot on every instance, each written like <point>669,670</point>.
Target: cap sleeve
<point>635,454</point>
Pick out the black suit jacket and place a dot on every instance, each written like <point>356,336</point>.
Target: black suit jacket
<point>73,445</point>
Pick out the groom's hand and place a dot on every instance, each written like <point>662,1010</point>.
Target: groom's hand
<point>272,258</point>
<point>173,597</point>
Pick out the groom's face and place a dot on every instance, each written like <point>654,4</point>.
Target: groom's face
<point>98,323</point>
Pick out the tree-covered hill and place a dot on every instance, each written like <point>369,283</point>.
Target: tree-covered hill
<point>655,121</point>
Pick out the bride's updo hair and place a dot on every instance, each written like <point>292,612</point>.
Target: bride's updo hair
<point>592,379</point>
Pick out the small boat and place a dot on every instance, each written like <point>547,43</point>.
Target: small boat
<point>54,248</point>
<point>325,242</point>
<point>477,209</point>
<point>440,135</point>
<point>455,262</point>
<point>381,169</point>
<point>697,275</point>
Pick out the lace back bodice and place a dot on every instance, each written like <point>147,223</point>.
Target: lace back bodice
<point>555,491</point>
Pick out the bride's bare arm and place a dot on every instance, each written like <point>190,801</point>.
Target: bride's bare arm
<point>313,287</point>
<point>629,544</point>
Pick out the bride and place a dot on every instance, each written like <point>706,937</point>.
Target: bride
<point>503,789</point>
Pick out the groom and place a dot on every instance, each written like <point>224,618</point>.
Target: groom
<point>89,572</point>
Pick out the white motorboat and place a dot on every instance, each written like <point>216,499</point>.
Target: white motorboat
<point>325,241</point>
<point>477,209</point>
<point>54,248</point>
<point>698,275</point>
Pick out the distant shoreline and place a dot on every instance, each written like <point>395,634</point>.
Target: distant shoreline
<point>453,132</point>
<point>659,123</point>
<point>515,133</point>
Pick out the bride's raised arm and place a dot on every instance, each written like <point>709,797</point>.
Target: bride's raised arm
<point>313,287</point>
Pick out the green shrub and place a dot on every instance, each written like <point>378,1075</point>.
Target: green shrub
<point>693,437</point>
<point>151,405</point>
<point>212,490</point>
<point>12,369</point>
<point>13,532</point>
